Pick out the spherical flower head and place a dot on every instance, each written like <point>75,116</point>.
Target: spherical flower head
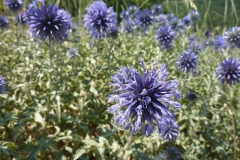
<point>194,16</point>
<point>187,62</point>
<point>232,37</point>
<point>177,25</point>
<point>219,43</point>
<point>170,17</point>
<point>132,10</point>
<point>99,20</point>
<point>156,9</point>
<point>186,21</point>
<point>50,22</point>
<point>21,18</point>
<point>195,47</point>
<point>144,18</point>
<point>165,36</point>
<point>3,22</point>
<point>161,19</point>
<point>228,71</point>
<point>141,99</point>
<point>2,85</point>
<point>14,5</point>
<point>72,52</point>
<point>128,26</point>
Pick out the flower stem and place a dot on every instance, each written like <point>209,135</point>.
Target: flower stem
<point>50,72</point>
<point>127,145</point>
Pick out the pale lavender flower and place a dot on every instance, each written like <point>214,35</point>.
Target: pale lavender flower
<point>219,43</point>
<point>232,37</point>
<point>187,62</point>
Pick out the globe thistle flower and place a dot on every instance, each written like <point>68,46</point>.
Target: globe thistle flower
<point>14,5</point>
<point>177,25</point>
<point>170,153</point>
<point>144,18</point>
<point>2,85</point>
<point>128,26</point>
<point>132,10</point>
<point>232,37</point>
<point>187,62</point>
<point>144,98</point>
<point>228,71</point>
<point>208,42</point>
<point>124,15</point>
<point>72,52</point>
<point>219,43</point>
<point>99,20</point>
<point>195,47</point>
<point>161,19</point>
<point>194,16</point>
<point>170,17</point>
<point>21,18</point>
<point>156,9</point>
<point>186,21</point>
<point>3,22</point>
<point>165,36</point>
<point>50,22</point>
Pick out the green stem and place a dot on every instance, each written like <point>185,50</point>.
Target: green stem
<point>127,145</point>
<point>50,72</point>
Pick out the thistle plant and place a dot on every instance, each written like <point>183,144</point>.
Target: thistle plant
<point>3,22</point>
<point>144,19</point>
<point>232,37</point>
<point>165,36</point>
<point>14,5</point>
<point>187,62</point>
<point>99,20</point>
<point>141,99</point>
<point>2,85</point>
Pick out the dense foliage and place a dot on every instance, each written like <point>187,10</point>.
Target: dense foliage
<point>54,94</point>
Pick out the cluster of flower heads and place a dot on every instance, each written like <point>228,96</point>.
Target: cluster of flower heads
<point>228,71</point>
<point>48,21</point>
<point>99,20</point>
<point>141,99</point>
<point>2,85</point>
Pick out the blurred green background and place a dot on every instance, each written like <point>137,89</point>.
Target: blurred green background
<point>215,14</point>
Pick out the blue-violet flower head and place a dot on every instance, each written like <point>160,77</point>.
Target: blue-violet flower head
<point>99,20</point>
<point>2,85</point>
<point>144,18</point>
<point>187,62</point>
<point>144,98</point>
<point>195,47</point>
<point>219,43</point>
<point>3,22</point>
<point>14,5</point>
<point>165,36</point>
<point>228,71</point>
<point>156,9</point>
<point>50,22</point>
<point>128,26</point>
<point>21,18</point>
<point>232,36</point>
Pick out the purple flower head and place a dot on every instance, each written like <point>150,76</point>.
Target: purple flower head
<point>232,37</point>
<point>171,153</point>
<point>141,99</point>
<point>228,71</point>
<point>219,43</point>
<point>177,25</point>
<point>21,18</point>
<point>194,16</point>
<point>124,15</point>
<point>195,47</point>
<point>99,20</point>
<point>3,22</point>
<point>208,42</point>
<point>144,18</point>
<point>186,21</point>
<point>132,10</point>
<point>161,19</point>
<point>165,36</point>
<point>187,62</point>
<point>171,17</point>
<point>128,26</point>
<point>14,5</point>
<point>2,85</point>
<point>50,22</point>
<point>156,9</point>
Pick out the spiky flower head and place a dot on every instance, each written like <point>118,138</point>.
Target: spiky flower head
<point>194,16</point>
<point>129,13</point>
<point>49,21</point>
<point>3,22</point>
<point>219,43</point>
<point>144,19</point>
<point>99,20</point>
<point>195,47</point>
<point>228,71</point>
<point>14,5</point>
<point>21,18</point>
<point>232,36</point>
<point>144,98</point>
<point>177,25</point>
<point>128,26</point>
<point>187,62</point>
<point>2,85</point>
<point>156,9</point>
<point>186,21</point>
<point>165,36</point>
<point>72,52</point>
